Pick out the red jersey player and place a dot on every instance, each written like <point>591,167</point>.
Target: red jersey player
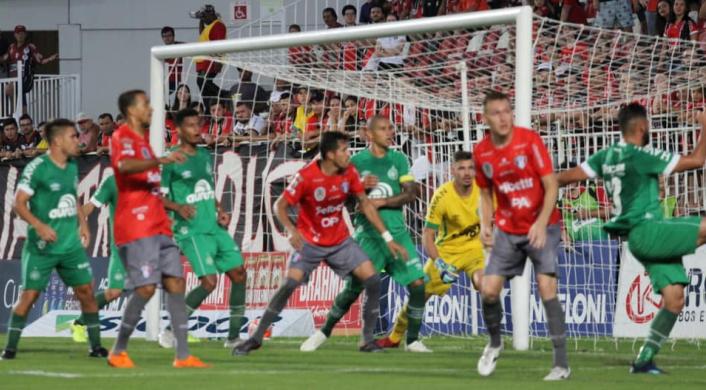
<point>513,164</point>
<point>320,190</point>
<point>142,230</point>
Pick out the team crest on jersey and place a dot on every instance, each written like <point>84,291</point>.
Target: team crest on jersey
<point>41,244</point>
<point>345,187</point>
<point>184,230</point>
<point>488,170</point>
<point>521,161</point>
<point>145,152</point>
<point>319,194</point>
<point>55,186</point>
<point>35,275</point>
<point>186,174</point>
<point>392,173</point>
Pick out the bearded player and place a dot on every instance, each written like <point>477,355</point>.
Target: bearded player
<point>386,173</point>
<point>142,230</point>
<point>513,164</point>
<point>451,238</point>
<point>57,234</point>
<point>320,189</point>
<point>199,226</point>
<point>631,171</point>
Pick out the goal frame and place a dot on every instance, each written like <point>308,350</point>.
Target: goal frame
<point>520,16</point>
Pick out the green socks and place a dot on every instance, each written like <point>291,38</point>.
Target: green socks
<point>93,328</point>
<point>415,312</point>
<point>237,309</point>
<point>341,304</point>
<point>194,299</point>
<point>100,301</point>
<point>660,328</point>
<point>14,331</point>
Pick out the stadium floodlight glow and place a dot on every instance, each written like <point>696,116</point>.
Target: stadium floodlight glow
<point>521,17</point>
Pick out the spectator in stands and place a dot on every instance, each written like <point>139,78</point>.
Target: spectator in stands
<point>664,15</point>
<point>182,99</point>
<point>119,120</point>
<point>280,119</point>
<point>106,126</point>
<point>248,91</point>
<point>11,140</point>
<point>331,51</point>
<point>612,13</point>
<point>220,124</point>
<point>349,15</point>
<point>30,137</point>
<point>301,102</point>
<point>333,117</point>
<point>174,65</point>
<point>43,144</point>
<point>27,54</point>
<point>330,18</point>
<point>300,55</point>
<point>365,11</point>
<point>681,26</point>
<point>585,209</point>
<point>651,16</point>
<point>249,127</point>
<point>311,134</point>
<point>572,11</point>
<point>350,122</point>
<point>377,14</point>
<point>4,46</point>
<point>388,51</point>
<point>88,133</point>
<point>540,8</point>
<point>211,28</point>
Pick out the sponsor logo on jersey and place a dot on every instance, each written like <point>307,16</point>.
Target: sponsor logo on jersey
<point>381,191</point>
<point>523,184</point>
<point>345,187</point>
<point>319,194</point>
<point>392,173</point>
<point>202,192</point>
<point>328,209</point>
<point>487,170</point>
<point>521,161</point>
<point>184,230</point>
<point>327,222</point>
<point>35,275</point>
<point>55,187</point>
<point>127,149</point>
<point>139,212</point>
<point>617,169</point>
<point>65,208</point>
<point>186,174</point>
<point>145,153</point>
<point>520,203</point>
<point>292,187</point>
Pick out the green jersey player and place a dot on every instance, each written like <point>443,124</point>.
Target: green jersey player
<point>56,235</point>
<point>631,170</point>
<point>390,186</point>
<point>199,226</point>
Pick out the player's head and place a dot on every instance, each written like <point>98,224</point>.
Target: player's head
<point>334,148</point>
<point>187,122</point>
<point>380,131</point>
<point>497,113</point>
<point>135,105</point>
<point>633,123</point>
<point>463,169</point>
<point>63,137</point>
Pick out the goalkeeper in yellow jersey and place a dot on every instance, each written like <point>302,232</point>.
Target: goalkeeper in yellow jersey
<point>451,238</point>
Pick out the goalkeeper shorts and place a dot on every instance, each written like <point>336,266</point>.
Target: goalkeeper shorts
<point>468,262</point>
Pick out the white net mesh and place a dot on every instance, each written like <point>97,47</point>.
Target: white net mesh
<point>582,76</point>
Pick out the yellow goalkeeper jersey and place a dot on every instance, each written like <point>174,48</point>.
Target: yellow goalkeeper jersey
<point>456,219</point>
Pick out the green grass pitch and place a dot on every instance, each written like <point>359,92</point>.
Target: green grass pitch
<point>54,363</point>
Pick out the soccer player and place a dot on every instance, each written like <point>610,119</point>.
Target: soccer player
<point>199,224</point>
<point>513,164</point>
<point>451,238</point>
<point>107,194</point>
<point>320,189</point>
<point>57,233</point>
<point>630,170</point>
<point>142,230</point>
<point>386,174</point>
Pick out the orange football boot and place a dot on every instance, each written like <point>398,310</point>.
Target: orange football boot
<point>120,360</point>
<point>190,362</point>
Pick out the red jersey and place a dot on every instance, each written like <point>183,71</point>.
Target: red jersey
<point>321,200</point>
<point>140,212</point>
<point>514,171</point>
<point>21,53</point>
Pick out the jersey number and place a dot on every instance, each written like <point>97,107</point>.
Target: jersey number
<point>615,185</point>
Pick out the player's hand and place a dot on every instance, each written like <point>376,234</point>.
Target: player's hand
<point>173,157</point>
<point>398,251</point>
<point>537,235</point>
<point>223,218</point>
<point>448,273</point>
<point>46,233</point>
<point>486,236</point>
<point>186,211</point>
<point>85,233</point>
<point>370,181</point>
<point>296,240</point>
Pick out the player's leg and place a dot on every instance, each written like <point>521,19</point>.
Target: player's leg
<point>365,272</point>
<point>410,274</point>
<point>229,260</point>
<point>36,270</point>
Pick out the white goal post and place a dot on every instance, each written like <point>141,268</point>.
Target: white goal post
<point>521,17</point>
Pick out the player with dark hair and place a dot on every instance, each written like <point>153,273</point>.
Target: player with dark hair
<point>199,226</point>
<point>321,189</point>
<point>143,231</point>
<point>56,236</point>
<point>513,165</point>
<point>631,171</point>
<point>390,187</point>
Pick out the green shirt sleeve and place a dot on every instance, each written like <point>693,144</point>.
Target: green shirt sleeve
<point>653,161</point>
<point>106,193</point>
<point>593,167</point>
<point>31,176</point>
<point>403,168</point>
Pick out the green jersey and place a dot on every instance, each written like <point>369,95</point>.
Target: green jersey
<point>391,170</point>
<point>631,175</point>
<point>53,201</point>
<point>191,182</point>
<point>107,195</point>
<point>590,229</point>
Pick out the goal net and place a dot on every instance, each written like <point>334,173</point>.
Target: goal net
<point>266,100</point>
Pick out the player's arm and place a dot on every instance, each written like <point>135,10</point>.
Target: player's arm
<point>132,165</point>
<point>410,190</point>
<point>223,217</point>
<point>184,210</point>
<point>88,208</point>
<point>538,232</point>
<point>371,213</point>
<point>83,228</point>
<point>429,242</point>
<point>44,231</point>
<point>486,216</point>
<point>697,158</point>
<point>295,238</point>
<point>571,176</point>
